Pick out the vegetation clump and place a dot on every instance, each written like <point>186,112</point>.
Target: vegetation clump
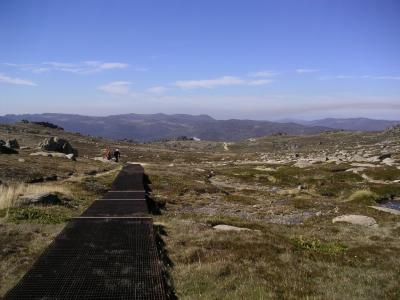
<point>48,125</point>
<point>36,215</point>
<point>364,197</point>
<point>314,244</point>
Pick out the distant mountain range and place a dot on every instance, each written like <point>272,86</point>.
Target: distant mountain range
<point>353,124</point>
<point>142,127</point>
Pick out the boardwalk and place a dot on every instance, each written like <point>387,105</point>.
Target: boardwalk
<point>109,252</point>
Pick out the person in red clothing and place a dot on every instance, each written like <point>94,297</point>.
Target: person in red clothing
<point>107,154</point>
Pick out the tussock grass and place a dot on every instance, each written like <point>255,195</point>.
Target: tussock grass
<point>364,197</point>
<point>9,194</point>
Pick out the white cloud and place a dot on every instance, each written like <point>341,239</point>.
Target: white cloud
<point>209,83</point>
<point>337,77</point>
<point>85,67</point>
<point>360,77</point>
<point>382,77</point>
<point>263,74</point>
<point>18,81</point>
<point>157,90</point>
<point>259,82</point>
<point>116,87</point>
<point>303,71</point>
<point>217,82</point>
<point>114,65</point>
<point>40,70</point>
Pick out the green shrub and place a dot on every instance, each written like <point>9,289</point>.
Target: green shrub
<point>387,191</point>
<point>36,215</point>
<point>364,197</point>
<point>313,244</point>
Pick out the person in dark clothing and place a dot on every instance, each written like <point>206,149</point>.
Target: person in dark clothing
<point>117,154</point>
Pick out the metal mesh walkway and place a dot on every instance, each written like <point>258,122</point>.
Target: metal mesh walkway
<point>117,208</point>
<point>125,195</point>
<point>129,179</point>
<point>107,253</point>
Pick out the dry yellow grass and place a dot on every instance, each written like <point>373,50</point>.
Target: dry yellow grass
<point>9,194</point>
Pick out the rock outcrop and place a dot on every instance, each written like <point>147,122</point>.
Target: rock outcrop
<point>13,144</point>
<point>6,150</point>
<point>223,227</point>
<point>43,198</point>
<point>357,220</point>
<point>56,144</point>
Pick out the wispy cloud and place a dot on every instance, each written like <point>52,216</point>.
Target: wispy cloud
<point>372,77</point>
<point>116,87</point>
<point>381,77</point>
<point>209,83</point>
<point>14,80</point>
<point>157,90</point>
<point>305,71</point>
<point>337,77</point>
<point>263,74</point>
<point>218,82</point>
<point>259,82</point>
<point>85,67</point>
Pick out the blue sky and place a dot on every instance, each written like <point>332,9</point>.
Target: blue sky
<point>226,58</point>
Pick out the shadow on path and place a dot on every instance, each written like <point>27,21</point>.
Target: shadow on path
<point>154,207</point>
<point>159,232</point>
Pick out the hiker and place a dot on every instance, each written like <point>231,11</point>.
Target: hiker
<point>107,154</point>
<point>117,154</point>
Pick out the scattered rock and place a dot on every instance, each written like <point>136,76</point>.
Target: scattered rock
<point>223,227</point>
<point>51,178</point>
<point>384,156</point>
<point>13,144</point>
<point>57,144</point>
<point>41,153</point>
<point>51,154</point>
<point>102,159</point>
<point>7,150</point>
<point>21,160</point>
<point>70,156</point>
<point>303,164</point>
<point>43,198</point>
<point>357,220</point>
<point>266,169</point>
<point>35,180</point>
<point>386,209</point>
<point>90,172</point>
<point>388,161</point>
<point>301,187</point>
<point>364,165</point>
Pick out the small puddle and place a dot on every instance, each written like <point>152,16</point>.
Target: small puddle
<point>392,204</point>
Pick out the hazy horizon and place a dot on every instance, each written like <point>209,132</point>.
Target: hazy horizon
<point>209,115</point>
<point>260,60</point>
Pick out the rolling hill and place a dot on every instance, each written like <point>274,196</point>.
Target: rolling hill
<point>142,127</point>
